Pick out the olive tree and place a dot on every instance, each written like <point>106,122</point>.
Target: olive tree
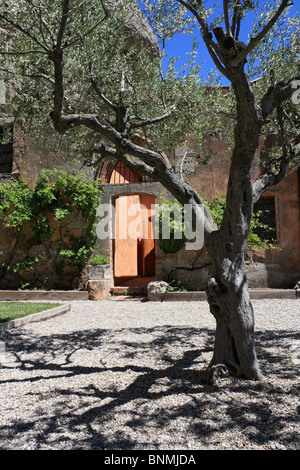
<point>118,97</point>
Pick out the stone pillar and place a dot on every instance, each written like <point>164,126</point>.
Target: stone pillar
<point>99,281</point>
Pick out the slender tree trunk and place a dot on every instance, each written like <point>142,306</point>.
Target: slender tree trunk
<point>227,289</point>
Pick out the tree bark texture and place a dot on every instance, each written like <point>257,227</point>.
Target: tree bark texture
<point>229,300</point>
<point>227,290</point>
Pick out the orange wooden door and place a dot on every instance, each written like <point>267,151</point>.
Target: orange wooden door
<point>134,248</point>
<point>147,263</point>
<point>125,255</point>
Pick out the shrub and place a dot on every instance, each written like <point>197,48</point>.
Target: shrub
<point>98,259</point>
<point>216,206</point>
<point>27,213</point>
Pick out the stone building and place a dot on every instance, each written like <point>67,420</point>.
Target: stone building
<point>137,260</point>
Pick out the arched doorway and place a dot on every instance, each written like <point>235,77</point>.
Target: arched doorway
<point>134,243</point>
<point>119,173</point>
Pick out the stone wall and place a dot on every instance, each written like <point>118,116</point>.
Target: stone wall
<point>280,266</point>
<point>277,267</point>
<point>51,271</point>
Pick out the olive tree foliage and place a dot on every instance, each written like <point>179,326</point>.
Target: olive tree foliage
<point>69,60</point>
<point>272,59</point>
<point>275,60</point>
<point>101,71</point>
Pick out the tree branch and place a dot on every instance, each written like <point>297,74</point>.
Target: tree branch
<point>238,26</point>
<point>147,122</point>
<point>104,151</point>
<point>57,58</point>
<point>43,22</point>
<point>138,165</point>
<point>226,15</point>
<point>102,96</point>
<point>31,75</point>
<point>162,171</point>
<point>63,23</point>
<point>74,41</point>
<point>24,31</point>
<point>22,52</point>
<point>207,37</point>
<point>275,171</point>
<point>256,40</point>
<point>277,94</point>
<point>134,164</point>
<point>199,18</point>
<point>236,19</point>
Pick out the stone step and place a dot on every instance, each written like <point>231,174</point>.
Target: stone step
<point>129,290</point>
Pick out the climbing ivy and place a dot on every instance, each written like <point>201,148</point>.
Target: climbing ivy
<point>27,212</point>
<point>216,206</point>
<point>171,214</point>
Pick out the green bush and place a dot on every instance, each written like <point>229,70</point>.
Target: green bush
<point>171,212</point>
<point>98,259</point>
<point>27,213</point>
<point>216,206</point>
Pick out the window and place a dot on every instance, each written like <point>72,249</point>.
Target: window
<point>6,149</point>
<point>266,210</point>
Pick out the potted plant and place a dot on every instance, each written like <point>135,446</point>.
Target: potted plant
<point>98,267</point>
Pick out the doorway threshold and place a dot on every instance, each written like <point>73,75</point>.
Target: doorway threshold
<point>133,286</point>
<point>129,290</point>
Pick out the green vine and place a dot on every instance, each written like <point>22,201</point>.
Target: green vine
<point>217,206</point>
<point>170,212</point>
<point>99,259</point>
<point>171,220</point>
<point>34,216</point>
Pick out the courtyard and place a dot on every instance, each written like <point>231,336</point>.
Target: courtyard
<point>127,375</point>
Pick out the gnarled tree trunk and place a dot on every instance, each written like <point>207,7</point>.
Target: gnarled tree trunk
<point>227,289</point>
<point>229,301</point>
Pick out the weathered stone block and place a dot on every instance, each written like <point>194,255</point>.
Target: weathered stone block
<point>156,287</point>
<point>98,289</point>
<point>99,271</point>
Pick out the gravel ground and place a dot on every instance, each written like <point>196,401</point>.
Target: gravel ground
<point>121,375</point>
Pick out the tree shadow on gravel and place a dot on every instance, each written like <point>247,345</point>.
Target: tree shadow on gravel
<point>125,389</point>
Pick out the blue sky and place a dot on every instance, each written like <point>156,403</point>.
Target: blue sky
<point>181,44</point>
